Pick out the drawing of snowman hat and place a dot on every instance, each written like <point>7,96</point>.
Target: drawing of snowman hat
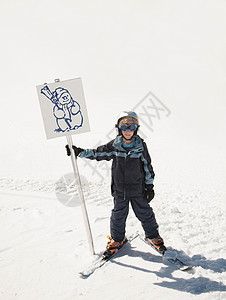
<point>59,92</point>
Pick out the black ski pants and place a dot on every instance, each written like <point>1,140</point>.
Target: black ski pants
<point>143,212</point>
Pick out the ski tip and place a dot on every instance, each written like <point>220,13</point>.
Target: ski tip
<point>187,268</point>
<point>84,276</point>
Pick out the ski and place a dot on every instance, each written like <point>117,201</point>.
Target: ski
<point>170,256</point>
<point>102,260</point>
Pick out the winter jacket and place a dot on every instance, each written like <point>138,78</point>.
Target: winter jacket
<point>131,170</point>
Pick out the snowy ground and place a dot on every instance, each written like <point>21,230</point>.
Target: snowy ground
<point>44,246</point>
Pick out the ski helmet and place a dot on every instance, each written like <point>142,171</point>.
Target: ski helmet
<point>127,117</point>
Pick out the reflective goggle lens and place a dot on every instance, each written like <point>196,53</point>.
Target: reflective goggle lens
<point>130,127</point>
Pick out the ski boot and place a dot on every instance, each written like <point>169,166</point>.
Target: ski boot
<point>157,243</point>
<point>112,247</point>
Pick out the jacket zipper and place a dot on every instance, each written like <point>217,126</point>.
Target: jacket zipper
<point>127,154</point>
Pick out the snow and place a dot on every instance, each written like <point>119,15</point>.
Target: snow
<point>174,49</point>
<point>44,247</point>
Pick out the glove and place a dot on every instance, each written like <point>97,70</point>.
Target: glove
<point>76,150</point>
<point>149,192</point>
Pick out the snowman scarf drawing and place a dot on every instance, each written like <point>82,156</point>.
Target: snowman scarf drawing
<point>66,110</point>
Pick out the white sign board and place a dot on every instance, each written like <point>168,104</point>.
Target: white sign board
<point>63,108</point>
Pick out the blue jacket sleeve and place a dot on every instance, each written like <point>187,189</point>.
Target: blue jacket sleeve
<point>104,152</point>
<point>148,169</point>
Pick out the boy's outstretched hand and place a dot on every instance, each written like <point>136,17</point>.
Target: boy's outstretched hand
<point>76,150</point>
<point>149,192</point>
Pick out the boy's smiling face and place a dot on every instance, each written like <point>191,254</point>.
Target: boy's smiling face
<point>127,134</point>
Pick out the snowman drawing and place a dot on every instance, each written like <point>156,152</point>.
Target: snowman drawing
<point>66,110</point>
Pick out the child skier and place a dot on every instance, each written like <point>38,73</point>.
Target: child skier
<point>132,181</point>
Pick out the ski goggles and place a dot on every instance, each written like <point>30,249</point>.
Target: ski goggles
<point>130,127</point>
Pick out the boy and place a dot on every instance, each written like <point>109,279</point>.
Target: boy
<point>132,181</point>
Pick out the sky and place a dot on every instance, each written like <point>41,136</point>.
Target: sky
<point>122,50</point>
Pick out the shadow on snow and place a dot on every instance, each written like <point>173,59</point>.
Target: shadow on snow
<point>193,285</point>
